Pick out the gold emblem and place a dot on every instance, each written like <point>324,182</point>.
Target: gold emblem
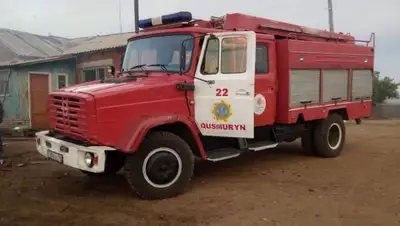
<point>222,111</point>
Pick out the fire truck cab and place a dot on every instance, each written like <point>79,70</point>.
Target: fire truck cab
<point>213,89</point>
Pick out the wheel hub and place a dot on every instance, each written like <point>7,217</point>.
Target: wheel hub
<point>162,168</point>
<point>334,136</point>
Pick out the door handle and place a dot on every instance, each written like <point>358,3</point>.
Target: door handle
<point>185,86</point>
<point>242,92</point>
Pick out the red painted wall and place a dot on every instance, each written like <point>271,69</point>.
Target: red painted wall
<point>114,54</point>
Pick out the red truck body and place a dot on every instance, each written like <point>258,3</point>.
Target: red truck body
<point>311,74</point>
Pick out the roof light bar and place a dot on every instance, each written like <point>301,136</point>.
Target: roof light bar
<point>166,19</point>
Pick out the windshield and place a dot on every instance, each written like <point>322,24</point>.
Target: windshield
<point>161,50</point>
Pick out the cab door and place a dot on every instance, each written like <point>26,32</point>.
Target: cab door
<point>266,82</point>
<point>224,90</point>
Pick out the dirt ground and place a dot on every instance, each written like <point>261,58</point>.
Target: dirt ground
<point>274,187</point>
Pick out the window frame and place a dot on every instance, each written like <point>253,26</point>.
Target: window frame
<point>266,47</point>
<point>191,36</point>
<point>7,81</point>
<point>83,76</point>
<point>58,80</point>
<point>220,62</point>
<point>204,58</point>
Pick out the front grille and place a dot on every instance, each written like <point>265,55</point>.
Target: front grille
<point>68,115</point>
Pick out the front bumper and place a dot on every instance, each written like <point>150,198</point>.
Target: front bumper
<point>71,154</point>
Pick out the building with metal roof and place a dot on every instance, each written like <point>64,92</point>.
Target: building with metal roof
<point>96,43</point>
<point>49,63</point>
<point>18,45</point>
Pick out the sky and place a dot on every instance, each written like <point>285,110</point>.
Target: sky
<point>78,18</point>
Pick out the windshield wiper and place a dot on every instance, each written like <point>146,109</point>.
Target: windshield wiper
<point>138,66</point>
<point>162,66</point>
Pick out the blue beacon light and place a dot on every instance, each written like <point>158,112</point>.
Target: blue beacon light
<point>166,19</point>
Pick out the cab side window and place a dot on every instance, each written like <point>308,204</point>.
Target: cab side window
<point>211,58</point>
<point>233,55</point>
<point>261,59</point>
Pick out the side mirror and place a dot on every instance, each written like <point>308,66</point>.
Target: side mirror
<point>111,69</point>
<point>121,61</point>
<point>182,57</point>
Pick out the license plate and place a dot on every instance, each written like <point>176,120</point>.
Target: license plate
<point>55,156</point>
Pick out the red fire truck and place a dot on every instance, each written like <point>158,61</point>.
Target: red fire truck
<point>213,89</point>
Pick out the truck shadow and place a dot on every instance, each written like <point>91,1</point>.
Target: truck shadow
<point>83,186</point>
<point>284,154</point>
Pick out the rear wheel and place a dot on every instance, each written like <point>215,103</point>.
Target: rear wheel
<point>161,168</point>
<point>329,136</point>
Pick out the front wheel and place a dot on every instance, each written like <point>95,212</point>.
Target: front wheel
<point>161,168</point>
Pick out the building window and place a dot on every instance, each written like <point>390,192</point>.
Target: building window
<point>92,74</point>
<point>101,73</point>
<point>4,83</point>
<point>62,81</point>
<point>261,59</point>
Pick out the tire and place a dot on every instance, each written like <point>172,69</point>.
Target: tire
<point>160,149</point>
<point>329,136</point>
<point>307,144</point>
<point>114,163</point>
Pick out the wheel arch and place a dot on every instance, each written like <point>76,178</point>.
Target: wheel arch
<point>180,125</point>
<point>342,112</point>
<point>183,131</point>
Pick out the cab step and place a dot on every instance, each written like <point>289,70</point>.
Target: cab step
<point>261,145</point>
<point>223,154</point>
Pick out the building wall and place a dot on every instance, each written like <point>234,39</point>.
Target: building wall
<point>11,102</point>
<point>98,59</point>
<point>17,102</point>
<point>386,111</point>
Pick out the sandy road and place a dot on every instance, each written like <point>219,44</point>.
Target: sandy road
<point>275,187</point>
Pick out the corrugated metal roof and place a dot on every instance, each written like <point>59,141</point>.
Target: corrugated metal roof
<point>6,63</point>
<point>31,45</point>
<point>36,61</point>
<point>95,43</point>
<point>27,46</point>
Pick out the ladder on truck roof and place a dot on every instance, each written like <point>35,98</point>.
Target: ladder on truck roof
<point>280,30</point>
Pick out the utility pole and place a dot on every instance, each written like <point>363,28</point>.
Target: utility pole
<point>330,8</point>
<point>120,17</point>
<point>136,5</point>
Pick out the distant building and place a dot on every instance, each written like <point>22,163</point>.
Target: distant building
<point>392,101</point>
<point>390,109</point>
<point>25,84</point>
<point>26,97</point>
<point>94,54</point>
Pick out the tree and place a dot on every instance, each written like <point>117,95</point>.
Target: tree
<point>384,88</point>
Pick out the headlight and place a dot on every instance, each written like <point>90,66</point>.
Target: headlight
<point>89,159</point>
